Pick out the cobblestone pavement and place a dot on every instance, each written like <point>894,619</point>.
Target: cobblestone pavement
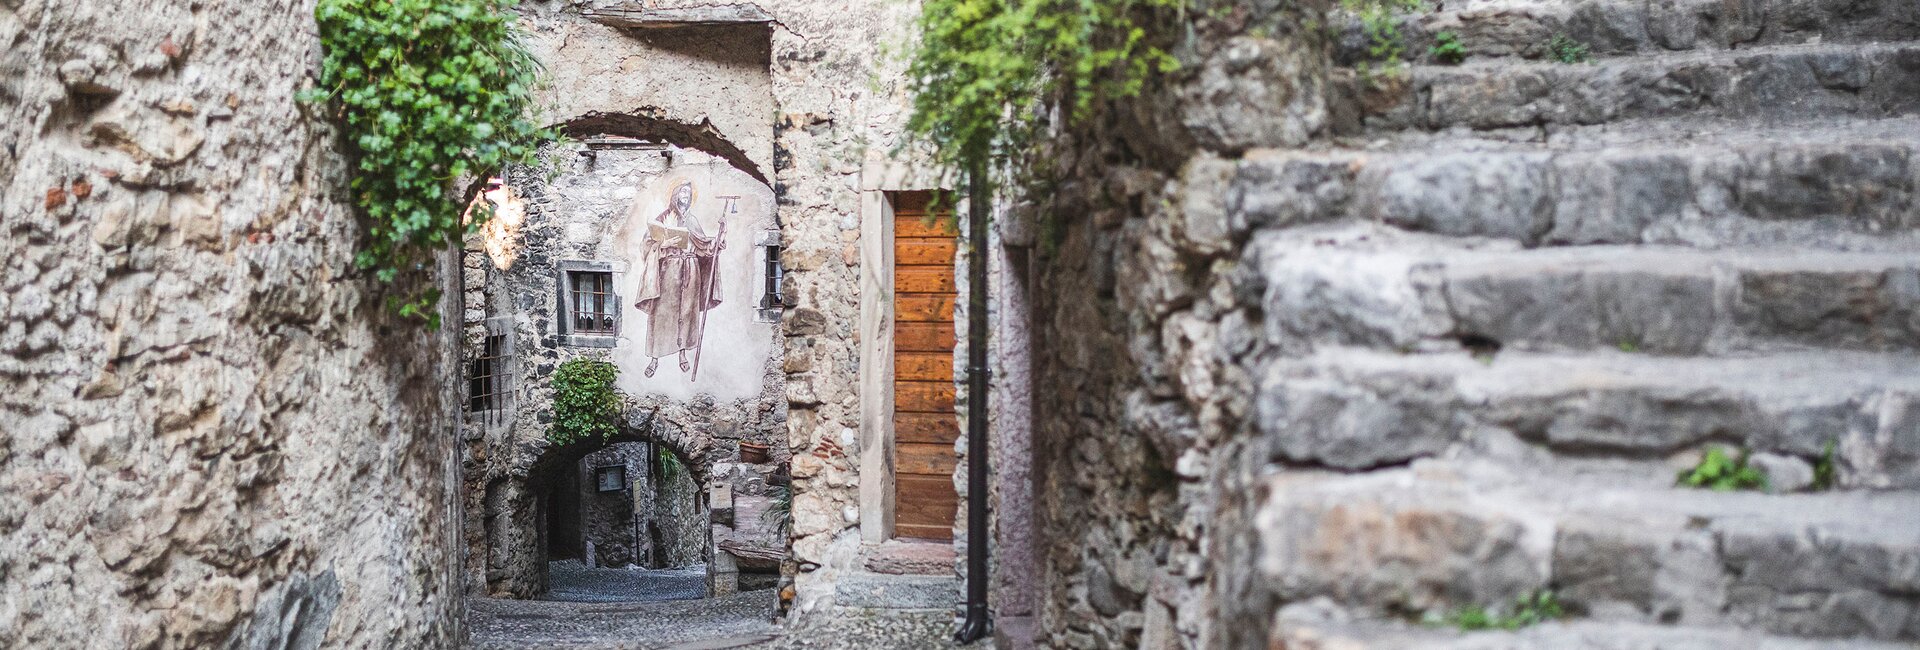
<point>726,622</point>
<point>571,580</point>
<point>639,609</point>
<point>737,621</point>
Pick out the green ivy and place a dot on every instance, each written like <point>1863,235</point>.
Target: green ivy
<point>1720,473</point>
<point>1566,50</point>
<point>1447,48</point>
<point>1531,609</point>
<point>985,73</point>
<point>1386,46</point>
<point>1823,470</point>
<point>586,405</point>
<point>425,92</point>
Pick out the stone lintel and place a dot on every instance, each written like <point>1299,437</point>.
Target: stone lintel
<point>634,16</point>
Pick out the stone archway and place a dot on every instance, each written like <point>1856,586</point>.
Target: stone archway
<point>519,506</point>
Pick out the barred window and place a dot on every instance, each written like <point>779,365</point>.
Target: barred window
<point>771,299</point>
<point>487,384</point>
<point>594,304</point>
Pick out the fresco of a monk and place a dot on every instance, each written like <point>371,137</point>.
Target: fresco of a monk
<point>679,281</point>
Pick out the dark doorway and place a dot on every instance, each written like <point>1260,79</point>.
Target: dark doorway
<point>562,505</point>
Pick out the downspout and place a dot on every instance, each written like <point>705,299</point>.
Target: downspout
<point>976,625</point>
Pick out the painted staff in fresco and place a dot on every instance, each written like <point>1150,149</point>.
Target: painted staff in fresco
<point>679,280</point>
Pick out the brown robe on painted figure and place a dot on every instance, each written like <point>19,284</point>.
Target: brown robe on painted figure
<point>679,282</point>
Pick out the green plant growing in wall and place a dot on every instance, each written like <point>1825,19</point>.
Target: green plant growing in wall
<point>1386,46</point>
<point>1447,48</point>
<point>779,512</point>
<point>1530,609</point>
<point>424,92</point>
<point>986,74</point>
<point>1823,470</point>
<point>585,403</point>
<point>670,467</point>
<point>1720,473</point>
<point>1566,50</point>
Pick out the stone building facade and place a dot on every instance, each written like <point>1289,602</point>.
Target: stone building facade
<point>806,101</point>
<point>212,434</point>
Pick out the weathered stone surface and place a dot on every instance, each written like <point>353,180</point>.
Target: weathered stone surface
<point>1636,554</point>
<point>881,591</point>
<point>1790,404</point>
<point>1696,186</point>
<point>215,435</point>
<point>1520,28</point>
<point>1770,82</point>
<point>1295,629</point>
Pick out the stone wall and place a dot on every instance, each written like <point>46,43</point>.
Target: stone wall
<point>1330,353</point>
<point>215,435</point>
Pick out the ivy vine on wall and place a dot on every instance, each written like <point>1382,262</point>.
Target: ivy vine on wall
<point>986,73</point>
<point>585,403</point>
<point>425,92</point>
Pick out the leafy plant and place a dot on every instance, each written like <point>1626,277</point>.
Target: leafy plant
<point>1823,472</point>
<point>670,467</point>
<point>986,73</point>
<point>779,512</point>
<point>1379,20</point>
<point>1567,50</point>
<point>585,403</point>
<point>1527,610</point>
<point>1629,346</point>
<point>425,92</point>
<point>1447,48</point>
<point>1720,473</point>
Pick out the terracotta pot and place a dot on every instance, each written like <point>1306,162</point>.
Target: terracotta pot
<point>753,453</point>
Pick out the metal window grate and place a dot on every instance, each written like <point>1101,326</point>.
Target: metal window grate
<point>771,299</point>
<point>593,302</point>
<point>486,384</point>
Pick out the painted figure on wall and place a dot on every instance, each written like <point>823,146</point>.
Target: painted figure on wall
<point>679,280</point>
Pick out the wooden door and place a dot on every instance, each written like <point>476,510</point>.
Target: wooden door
<point>923,419</point>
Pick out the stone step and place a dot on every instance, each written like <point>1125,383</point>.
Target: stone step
<point>1363,284</point>
<point>1439,535</point>
<point>1313,631</point>
<point>1853,185</point>
<point>1523,28</point>
<point>1782,81</point>
<point>863,590</point>
<point>1353,408</point>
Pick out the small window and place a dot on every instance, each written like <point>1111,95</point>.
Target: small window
<point>772,275</point>
<point>610,478</point>
<point>594,305</point>
<point>487,384</point>
<point>771,300</point>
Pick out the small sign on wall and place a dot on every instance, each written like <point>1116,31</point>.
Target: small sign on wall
<point>611,478</point>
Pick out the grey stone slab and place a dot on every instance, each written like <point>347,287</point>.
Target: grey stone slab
<point>1351,408</point>
<point>1523,28</point>
<point>1848,185</point>
<point>886,591</point>
<point>1296,628</point>
<point>1445,534</point>
<point>1782,81</point>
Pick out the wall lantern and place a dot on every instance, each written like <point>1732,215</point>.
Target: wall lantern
<point>611,478</point>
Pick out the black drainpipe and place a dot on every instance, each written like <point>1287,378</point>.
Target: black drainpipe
<point>976,624</point>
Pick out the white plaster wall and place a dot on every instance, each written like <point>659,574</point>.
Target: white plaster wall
<point>733,356</point>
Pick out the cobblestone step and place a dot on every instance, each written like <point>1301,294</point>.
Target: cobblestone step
<point>1848,185</point>
<point>1353,408</point>
<point>1767,82</point>
<point>1523,28</point>
<point>1440,535</point>
<point>1313,631</point>
<point>1370,285</point>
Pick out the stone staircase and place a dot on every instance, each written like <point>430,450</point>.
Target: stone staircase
<point>1507,301</point>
